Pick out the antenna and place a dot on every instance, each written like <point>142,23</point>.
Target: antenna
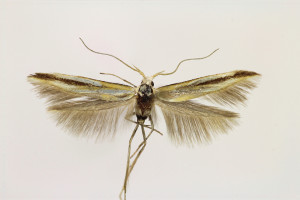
<point>106,54</point>
<point>161,73</point>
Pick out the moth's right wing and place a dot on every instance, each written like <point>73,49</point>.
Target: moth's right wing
<point>188,122</point>
<point>82,105</point>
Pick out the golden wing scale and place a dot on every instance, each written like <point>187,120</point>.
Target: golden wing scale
<point>91,107</point>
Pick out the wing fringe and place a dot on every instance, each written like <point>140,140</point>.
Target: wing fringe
<point>92,118</point>
<point>234,94</point>
<point>190,123</point>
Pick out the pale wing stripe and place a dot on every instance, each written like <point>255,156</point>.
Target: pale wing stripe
<point>100,91</point>
<point>79,79</point>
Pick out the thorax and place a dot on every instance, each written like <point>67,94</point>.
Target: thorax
<point>144,101</point>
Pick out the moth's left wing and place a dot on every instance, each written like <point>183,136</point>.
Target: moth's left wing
<point>226,88</point>
<point>82,105</point>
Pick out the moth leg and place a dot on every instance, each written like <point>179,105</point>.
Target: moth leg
<point>146,126</point>
<point>124,188</point>
<point>141,151</point>
<point>152,129</point>
<point>149,127</point>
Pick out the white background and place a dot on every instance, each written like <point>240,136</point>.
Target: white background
<point>259,159</point>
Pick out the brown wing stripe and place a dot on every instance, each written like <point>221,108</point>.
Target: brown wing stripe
<point>238,74</point>
<point>50,77</point>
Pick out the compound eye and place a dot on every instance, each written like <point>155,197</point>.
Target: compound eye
<point>152,83</point>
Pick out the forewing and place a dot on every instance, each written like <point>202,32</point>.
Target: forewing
<point>226,88</point>
<point>84,106</point>
<point>60,87</point>
<point>189,123</point>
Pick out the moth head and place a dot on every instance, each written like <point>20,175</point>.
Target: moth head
<point>146,87</point>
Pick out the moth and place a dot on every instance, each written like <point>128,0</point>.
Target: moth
<point>89,107</point>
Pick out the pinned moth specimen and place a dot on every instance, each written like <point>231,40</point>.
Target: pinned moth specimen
<point>90,107</point>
